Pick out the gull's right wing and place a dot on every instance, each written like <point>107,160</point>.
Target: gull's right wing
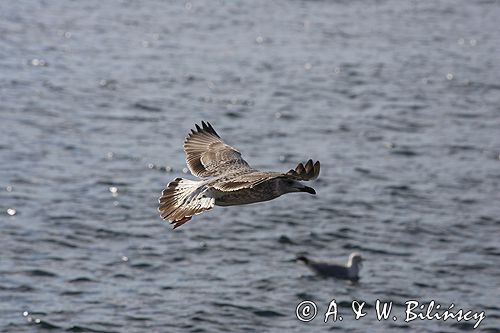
<point>208,156</point>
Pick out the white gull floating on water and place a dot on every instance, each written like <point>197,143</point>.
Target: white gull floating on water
<point>226,179</point>
<point>325,269</point>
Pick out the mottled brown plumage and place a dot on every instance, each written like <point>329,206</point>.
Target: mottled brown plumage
<point>226,179</point>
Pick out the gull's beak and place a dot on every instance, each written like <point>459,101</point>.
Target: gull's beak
<point>307,189</point>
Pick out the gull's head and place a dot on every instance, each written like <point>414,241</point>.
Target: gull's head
<point>355,259</point>
<point>286,185</point>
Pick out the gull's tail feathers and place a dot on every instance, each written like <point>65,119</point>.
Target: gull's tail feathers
<point>182,199</point>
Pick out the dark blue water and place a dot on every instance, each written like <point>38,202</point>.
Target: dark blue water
<point>399,100</point>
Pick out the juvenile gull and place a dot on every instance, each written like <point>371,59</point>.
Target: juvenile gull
<point>346,272</point>
<point>226,179</point>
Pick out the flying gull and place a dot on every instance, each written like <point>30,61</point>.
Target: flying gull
<point>226,179</point>
<point>325,269</point>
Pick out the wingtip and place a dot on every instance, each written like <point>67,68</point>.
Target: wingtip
<point>316,167</point>
<point>309,166</point>
<point>306,171</point>
<point>207,127</point>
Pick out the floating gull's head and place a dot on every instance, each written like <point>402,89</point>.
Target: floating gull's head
<point>286,185</point>
<point>355,260</point>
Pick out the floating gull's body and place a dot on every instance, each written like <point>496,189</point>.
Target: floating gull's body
<point>346,272</point>
<point>226,179</point>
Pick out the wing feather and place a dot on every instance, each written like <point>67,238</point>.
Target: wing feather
<point>247,180</point>
<point>309,171</point>
<point>302,172</point>
<point>207,155</point>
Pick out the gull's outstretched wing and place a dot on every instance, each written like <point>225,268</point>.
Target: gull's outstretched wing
<point>252,178</point>
<point>309,171</point>
<point>246,180</point>
<point>208,156</point>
